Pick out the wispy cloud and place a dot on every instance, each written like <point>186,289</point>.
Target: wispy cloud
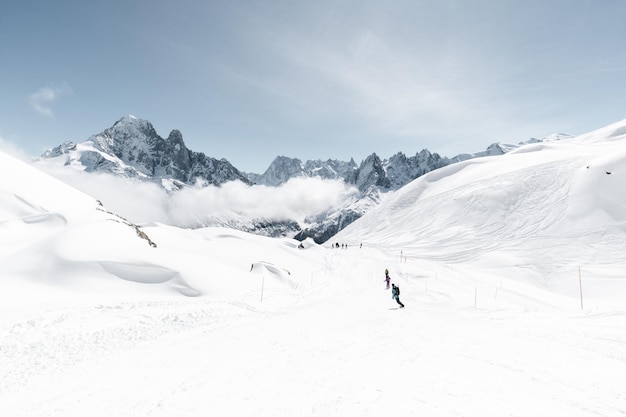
<point>372,77</point>
<point>42,100</point>
<point>378,73</point>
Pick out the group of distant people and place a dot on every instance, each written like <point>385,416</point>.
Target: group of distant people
<point>343,246</point>
<point>395,290</point>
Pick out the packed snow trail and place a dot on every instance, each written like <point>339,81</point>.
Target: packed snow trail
<point>338,348</point>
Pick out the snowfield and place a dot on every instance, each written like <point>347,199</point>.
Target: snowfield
<point>101,317</point>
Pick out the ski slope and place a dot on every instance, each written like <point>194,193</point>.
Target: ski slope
<point>96,321</point>
<point>536,214</point>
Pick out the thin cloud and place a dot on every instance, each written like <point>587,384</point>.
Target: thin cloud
<point>436,83</point>
<point>42,100</point>
<point>384,83</point>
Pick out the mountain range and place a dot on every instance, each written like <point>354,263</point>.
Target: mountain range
<point>132,148</point>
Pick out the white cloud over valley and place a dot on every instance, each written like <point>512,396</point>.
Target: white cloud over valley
<point>145,202</point>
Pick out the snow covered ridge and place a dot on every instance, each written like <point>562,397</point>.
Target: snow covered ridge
<point>53,232</point>
<point>132,148</point>
<point>58,237</point>
<point>539,211</point>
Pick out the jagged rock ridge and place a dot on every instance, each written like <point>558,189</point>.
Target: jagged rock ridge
<point>283,168</point>
<point>132,148</point>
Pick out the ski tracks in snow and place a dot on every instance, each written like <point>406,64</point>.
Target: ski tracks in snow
<point>55,341</point>
<point>337,350</point>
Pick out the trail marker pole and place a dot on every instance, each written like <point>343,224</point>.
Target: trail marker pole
<point>475,295</point>
<point>262,287</point>
<point>580,284</point>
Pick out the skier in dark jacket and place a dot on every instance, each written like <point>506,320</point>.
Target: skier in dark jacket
<point>387,278</point>
<point>395,294</point>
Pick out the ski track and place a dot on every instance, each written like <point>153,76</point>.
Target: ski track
<point>337,349</point>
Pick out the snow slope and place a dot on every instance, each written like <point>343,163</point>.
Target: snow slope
<point>536,214</point>
<point>96,321</point>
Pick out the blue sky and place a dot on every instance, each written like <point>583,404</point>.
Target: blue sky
<point>250,80</point>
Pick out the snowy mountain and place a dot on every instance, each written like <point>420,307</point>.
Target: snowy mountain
<point>324,226</point>
<point>283,168</point>
<point>501,148</point>
<point>132,148</point>
<point>511,268</point>
<point>388,174</point>
<point>372,178</point>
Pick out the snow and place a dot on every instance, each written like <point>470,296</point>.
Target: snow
<point>96,321</point>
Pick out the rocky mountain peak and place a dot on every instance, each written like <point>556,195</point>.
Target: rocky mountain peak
<point>370,173</point>
<point>133,148</point>
<point>176,138</point>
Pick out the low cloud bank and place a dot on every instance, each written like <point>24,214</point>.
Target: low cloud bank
<point>144,202</point>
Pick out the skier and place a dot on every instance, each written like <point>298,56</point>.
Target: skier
<point>395,294</point>
<point>387,278</point>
